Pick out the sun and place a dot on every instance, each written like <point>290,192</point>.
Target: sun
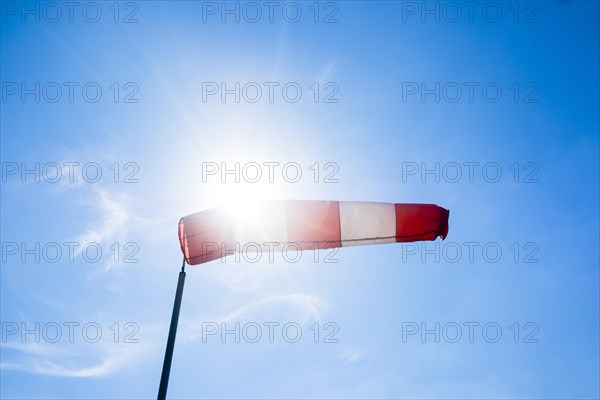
<point>243,209</point>
<point>246,204</point>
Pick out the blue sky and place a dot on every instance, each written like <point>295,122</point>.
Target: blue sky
<point>394,94</point>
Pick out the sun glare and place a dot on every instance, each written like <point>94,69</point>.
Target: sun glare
<point>243,210</point>
<point>245,203</point>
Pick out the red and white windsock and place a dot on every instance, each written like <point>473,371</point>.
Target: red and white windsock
<point>307,225</point>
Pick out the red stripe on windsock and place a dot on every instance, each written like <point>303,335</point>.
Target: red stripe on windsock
<point>313,224</point>
<point>205,236</point>
<point>420,222</point>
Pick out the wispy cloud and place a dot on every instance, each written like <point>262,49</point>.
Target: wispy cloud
<point>114,216</point>
<point>46,367</point>
<point>309,306</point>
<point>299,307</point>
<point>354,354</point>
<point>38,349</point>
<point>328,71</point>
<point>78,361</point>
<point>114,221</point>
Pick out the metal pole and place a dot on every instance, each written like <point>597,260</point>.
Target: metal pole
<point>164,378</point>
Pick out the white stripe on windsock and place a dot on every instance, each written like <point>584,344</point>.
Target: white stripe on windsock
<point>367,223</point>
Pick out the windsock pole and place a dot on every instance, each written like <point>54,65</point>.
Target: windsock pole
<point>166,370</point>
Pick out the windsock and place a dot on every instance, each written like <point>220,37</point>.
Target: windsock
<point>306,225</point>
